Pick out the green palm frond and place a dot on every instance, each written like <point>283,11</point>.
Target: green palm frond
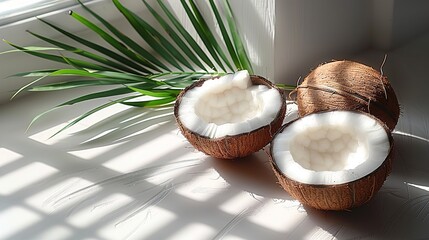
<point>171,59</point>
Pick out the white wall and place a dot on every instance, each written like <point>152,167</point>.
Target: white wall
<point>311,32</point>
<point>410,20</point>
<point>395,22</point>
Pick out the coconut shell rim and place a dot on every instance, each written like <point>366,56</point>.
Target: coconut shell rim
<point>389,155</point>
<point>264,81</point>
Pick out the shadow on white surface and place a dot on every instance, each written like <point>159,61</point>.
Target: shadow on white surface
<point>128,178</point>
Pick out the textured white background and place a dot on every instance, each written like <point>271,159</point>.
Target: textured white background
<point>129,174</point>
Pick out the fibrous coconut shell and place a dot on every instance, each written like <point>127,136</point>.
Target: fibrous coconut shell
<point>341,196</point>
<point>348,85</point>
<point>235,146</point>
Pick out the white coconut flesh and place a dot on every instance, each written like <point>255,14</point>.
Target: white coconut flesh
<point>330,148</point>
<point>228,106</point>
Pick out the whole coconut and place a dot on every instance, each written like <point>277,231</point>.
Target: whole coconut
<point>348,85</point>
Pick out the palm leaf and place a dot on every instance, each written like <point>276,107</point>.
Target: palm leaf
<point>136,70</point>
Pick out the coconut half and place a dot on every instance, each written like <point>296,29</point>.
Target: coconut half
<point>230,116</point>
<point>332,160</point>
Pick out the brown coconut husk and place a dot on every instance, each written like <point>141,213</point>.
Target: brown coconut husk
<point>340,196</point>
<point>236,146</point>
<point>347,85</point>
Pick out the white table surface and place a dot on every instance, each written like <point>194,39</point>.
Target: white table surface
<point>133,176</point>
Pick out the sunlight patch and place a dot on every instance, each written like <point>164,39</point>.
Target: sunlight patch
<point>56,232</point>
<point>201,230</point>
<point>94,152</point>
<point>8,156</point>
<point>49,198</point>
<point>237,203</point>
<point>44,136</point>
<point>426,188</point>
<point>157,149</point>
<point>144,225</point>
<point>24,177</point>
<point>278,211</point>
<point>94,211</point>
<point>203,186</point>
<point>16,219</point>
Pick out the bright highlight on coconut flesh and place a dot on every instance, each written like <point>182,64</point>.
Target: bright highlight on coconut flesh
<point>330,148</point>
<point>228,106</point>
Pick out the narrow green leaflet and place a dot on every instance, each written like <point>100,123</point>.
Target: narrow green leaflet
<point>86,54</point>
<point>138,24</point>
<point>76,84</point>
<point>183,81</point>
<point>179,42</point>
<point>209,34</point>
<point>27,86</point>
<point>225,36</point>
<point>164,42</point>
<point>151,103</point>
<point>96,47</point>
<point>97,95</point>
<point>144,54</point>
<point>60,72</point>
<point>286,87</point>
<point>61,59</point>
<point>109,39</point>
<point>126,78</point>
<point>202,34</point>
<point>157,92</point>
<point>241,51</point>
<point>31,48</point>
<point>74,65</point>
<point>191,41</point>
<point>37,73</point>
<point>91,74</point>
<point>89,113</point>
